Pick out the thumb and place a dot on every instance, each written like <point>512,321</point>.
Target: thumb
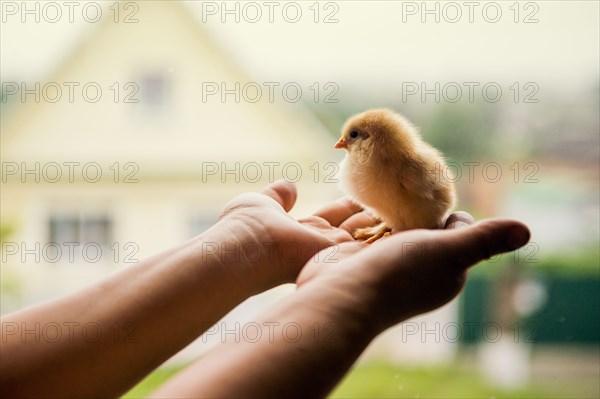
<point>283,192</point>
<point>469,245</point>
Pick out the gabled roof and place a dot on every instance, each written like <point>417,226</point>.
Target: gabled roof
<point>168,41</point>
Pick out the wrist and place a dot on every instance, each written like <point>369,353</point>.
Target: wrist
<point>358,295</point>
<point>345,304</point>
<point>245,254</point>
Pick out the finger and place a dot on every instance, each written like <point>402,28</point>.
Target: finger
<point>283,192</point>
<point>358,221</point>
<point>457,248</point>
<point>337,212</point>
<point>459,219</point>
<point>471,244</point>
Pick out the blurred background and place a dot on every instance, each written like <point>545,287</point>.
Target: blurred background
<point>127,125</point>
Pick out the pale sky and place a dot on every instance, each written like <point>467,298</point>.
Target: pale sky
<point>372,44</point>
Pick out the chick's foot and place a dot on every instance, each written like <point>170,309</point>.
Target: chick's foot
<point>372,234</point>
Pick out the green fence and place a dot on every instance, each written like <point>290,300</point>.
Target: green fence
<point>569,314</point>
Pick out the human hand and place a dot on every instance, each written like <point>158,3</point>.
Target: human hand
<point>259,222</point>
<point>411,272</point>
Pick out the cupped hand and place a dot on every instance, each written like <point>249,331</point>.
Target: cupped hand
<point>286,243</point>
<point>411,272</point>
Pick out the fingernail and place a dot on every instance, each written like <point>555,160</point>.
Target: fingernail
<point>458,225</point>
<point>517,237</point>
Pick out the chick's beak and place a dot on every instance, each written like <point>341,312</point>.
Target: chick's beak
<point>341,143</point>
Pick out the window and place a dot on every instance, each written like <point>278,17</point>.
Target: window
<point>79,239</point>
<point>82,230</point>
<point>64,230</point>
<point>154,94</point>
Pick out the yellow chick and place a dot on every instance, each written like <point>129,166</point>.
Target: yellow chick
<point>394,174</point>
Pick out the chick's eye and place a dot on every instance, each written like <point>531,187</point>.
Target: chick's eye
<point>353,134</point>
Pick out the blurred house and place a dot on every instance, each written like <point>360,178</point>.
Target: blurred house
<point>135,143</point>
<point>123,151</point>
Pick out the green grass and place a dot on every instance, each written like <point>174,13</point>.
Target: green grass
<point>152,382</point>
<point>384,380</point>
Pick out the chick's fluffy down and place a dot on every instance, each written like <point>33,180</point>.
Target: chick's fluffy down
<point>392,172</point>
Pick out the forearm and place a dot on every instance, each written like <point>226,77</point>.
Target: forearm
<point>375,288</point>
<point>301,348</point>
<point>103,339</point>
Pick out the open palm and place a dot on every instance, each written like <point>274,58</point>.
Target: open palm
<point>290,243</point>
